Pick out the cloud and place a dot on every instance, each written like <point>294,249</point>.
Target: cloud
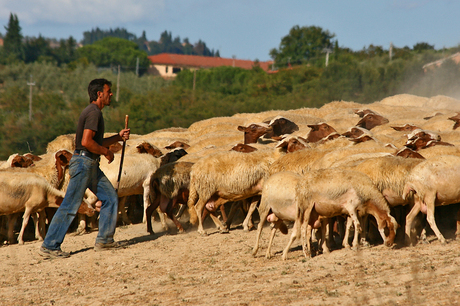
<point>101,12</point>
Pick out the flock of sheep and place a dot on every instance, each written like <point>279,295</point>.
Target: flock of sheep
<point>326,170</point>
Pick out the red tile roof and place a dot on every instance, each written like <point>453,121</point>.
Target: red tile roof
<point>194,61</point>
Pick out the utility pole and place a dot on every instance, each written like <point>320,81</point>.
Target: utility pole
<point>327,50</point>
<point>391,50</point>
<point>137,66</point>
<point>194,79</point>
<point>118,82</point>
<point>30,97</point>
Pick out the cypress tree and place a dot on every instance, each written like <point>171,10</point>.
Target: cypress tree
<point>12,44</point>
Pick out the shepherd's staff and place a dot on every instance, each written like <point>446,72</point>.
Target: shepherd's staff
<point>122,156</point>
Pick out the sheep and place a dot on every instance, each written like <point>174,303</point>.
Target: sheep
<point>224,177</point>
<point>319,131</point>
<point>52,167</point>
<point>66,141</point>
<point>292,143</point>
<point>333,192</point>
<point>389,175</point>
<point>333,156</point>
<point>299,161</point>
<point>253,131</point>
<point>138,170</point>
<point>16,161</point>
<point>29,192</point>
<point>433,182</point>
<point>169,186</point>
<point>276,205</point>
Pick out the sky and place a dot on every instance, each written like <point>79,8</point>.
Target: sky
<point>245,29</point>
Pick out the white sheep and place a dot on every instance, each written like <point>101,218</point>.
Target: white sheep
<point>277,205</point>
<point>433,182</point>
<point>333,192</point>
<point>29,192</point>
<point>226,176</point>
<point>137,172</point>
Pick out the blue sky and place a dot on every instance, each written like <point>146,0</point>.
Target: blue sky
<point>247,29</point>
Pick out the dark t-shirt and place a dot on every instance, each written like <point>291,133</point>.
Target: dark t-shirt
<point>90,118</point>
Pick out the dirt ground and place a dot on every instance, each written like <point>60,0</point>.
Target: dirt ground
<point>189,269</point>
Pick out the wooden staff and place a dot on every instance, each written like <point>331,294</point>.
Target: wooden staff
<point>122,156</point>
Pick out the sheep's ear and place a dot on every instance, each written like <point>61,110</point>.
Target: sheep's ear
<point>63,156</point>
<point>241,128</point>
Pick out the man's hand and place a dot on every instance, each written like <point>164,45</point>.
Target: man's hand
<point>124,134</point>
<point>109,155</point>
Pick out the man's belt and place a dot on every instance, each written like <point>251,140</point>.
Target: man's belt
<point>87,154</point>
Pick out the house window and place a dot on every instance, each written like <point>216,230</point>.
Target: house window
<point>176,70</point>
<point>166,69</point>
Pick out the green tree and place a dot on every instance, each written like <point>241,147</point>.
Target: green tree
<point>301,44</point>
<point>36,48</point>
<point>422,46</point>
<point>112,51</point>
<point>12,44</point>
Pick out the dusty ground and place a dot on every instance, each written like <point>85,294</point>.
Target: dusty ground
<point>188,269</point>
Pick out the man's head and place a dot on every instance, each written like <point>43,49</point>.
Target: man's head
<point>95,86</point>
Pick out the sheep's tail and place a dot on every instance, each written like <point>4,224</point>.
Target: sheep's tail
<point>192,199</point>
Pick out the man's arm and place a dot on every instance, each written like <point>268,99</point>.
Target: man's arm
<point>122,135</point>
<point>88,142</point>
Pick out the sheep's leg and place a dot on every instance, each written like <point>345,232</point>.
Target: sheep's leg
<point>11,224</point>
<point>410,219</point>
<point>263,212</point>
<point>170,214</point>
<point>294,235</point>
<point>25,221</point>
<point>122,210</point>
<point>430,205</point>
<point>81,224</point>
<point>457,233</point>
<point>324,233</point>
<point>268,255</point>
<point>148,213</point>
<point>40,230</point>
<point>247,223</point>
<point>181,211</point>
<point>231,214</point>
<point>217,222</point>
<point>161,215</point>
<point>357,225</point>
<point>34,217</point>
<point>305,241</point>
<point>345,242</point>
<point>146,199</point>
<point>199,206</point>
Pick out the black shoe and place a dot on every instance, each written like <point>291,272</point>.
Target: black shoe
<point>110,246</point>
<point>50,254</point>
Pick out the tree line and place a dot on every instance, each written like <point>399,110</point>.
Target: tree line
<point>104,48</point>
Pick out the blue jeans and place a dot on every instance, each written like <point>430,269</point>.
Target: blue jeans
<point>84,173</point>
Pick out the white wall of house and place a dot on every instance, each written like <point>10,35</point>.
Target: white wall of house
<point>168,71</point>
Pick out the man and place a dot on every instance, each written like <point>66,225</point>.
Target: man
<point>85,173</point>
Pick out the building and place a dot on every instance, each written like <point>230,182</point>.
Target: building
<point>455,57</point>
<point>168,65</point>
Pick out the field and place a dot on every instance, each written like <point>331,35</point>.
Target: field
<point>189,269</point>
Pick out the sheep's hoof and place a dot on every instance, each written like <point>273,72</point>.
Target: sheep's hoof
<point>224,231</point>
<point>203,233</point>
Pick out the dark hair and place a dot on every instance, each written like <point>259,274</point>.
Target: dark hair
<point>95,86</point>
